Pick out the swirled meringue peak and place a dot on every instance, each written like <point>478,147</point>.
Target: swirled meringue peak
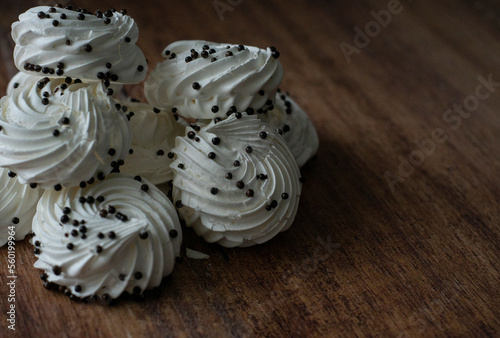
<point>118,235</point>
<point>52,41</point>
<point>57,133</point>
<point>204,80</point>
<point>17,206</point>
<point>19,80</point>
<point>236,182</point>
<point>153,136</point>
<point>292,122</point>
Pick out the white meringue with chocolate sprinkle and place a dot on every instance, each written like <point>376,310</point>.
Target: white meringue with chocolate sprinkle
<point>292,122</point>
<point>204,80</point>
<point>114,236</point>
<point>153,136</point>
<point>55,42</point>
<point>21,78</point>
<point>236,182</point>
<point>54,133</point>
<point>17,206</point>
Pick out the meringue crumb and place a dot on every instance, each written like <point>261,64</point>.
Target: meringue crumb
<point>193,254</point>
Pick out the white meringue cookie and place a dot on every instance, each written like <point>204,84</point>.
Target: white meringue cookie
<point>40,43</point>
<point>21,78</point>
<point>96,251</point>
<point>292,122</point>
<point>153,137</point>
<point>77,134</point>
<point>17,206</point>
<point>246,78</point>
<point>235,204</point>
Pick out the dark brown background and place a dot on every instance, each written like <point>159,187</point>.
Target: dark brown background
<point>360,259</point>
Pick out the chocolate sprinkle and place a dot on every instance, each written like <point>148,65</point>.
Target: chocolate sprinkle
<point>57,270</point>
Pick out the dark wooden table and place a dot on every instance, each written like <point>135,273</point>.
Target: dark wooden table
<point>397,234</point>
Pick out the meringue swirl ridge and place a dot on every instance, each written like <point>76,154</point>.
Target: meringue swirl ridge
<point>17,205</point>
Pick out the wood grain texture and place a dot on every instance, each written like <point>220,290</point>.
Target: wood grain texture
<point>361,259</point>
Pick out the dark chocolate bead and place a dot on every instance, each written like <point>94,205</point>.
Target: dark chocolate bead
<point>57,270</point>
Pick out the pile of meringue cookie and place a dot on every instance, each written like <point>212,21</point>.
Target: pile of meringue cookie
<point>80,162</point>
